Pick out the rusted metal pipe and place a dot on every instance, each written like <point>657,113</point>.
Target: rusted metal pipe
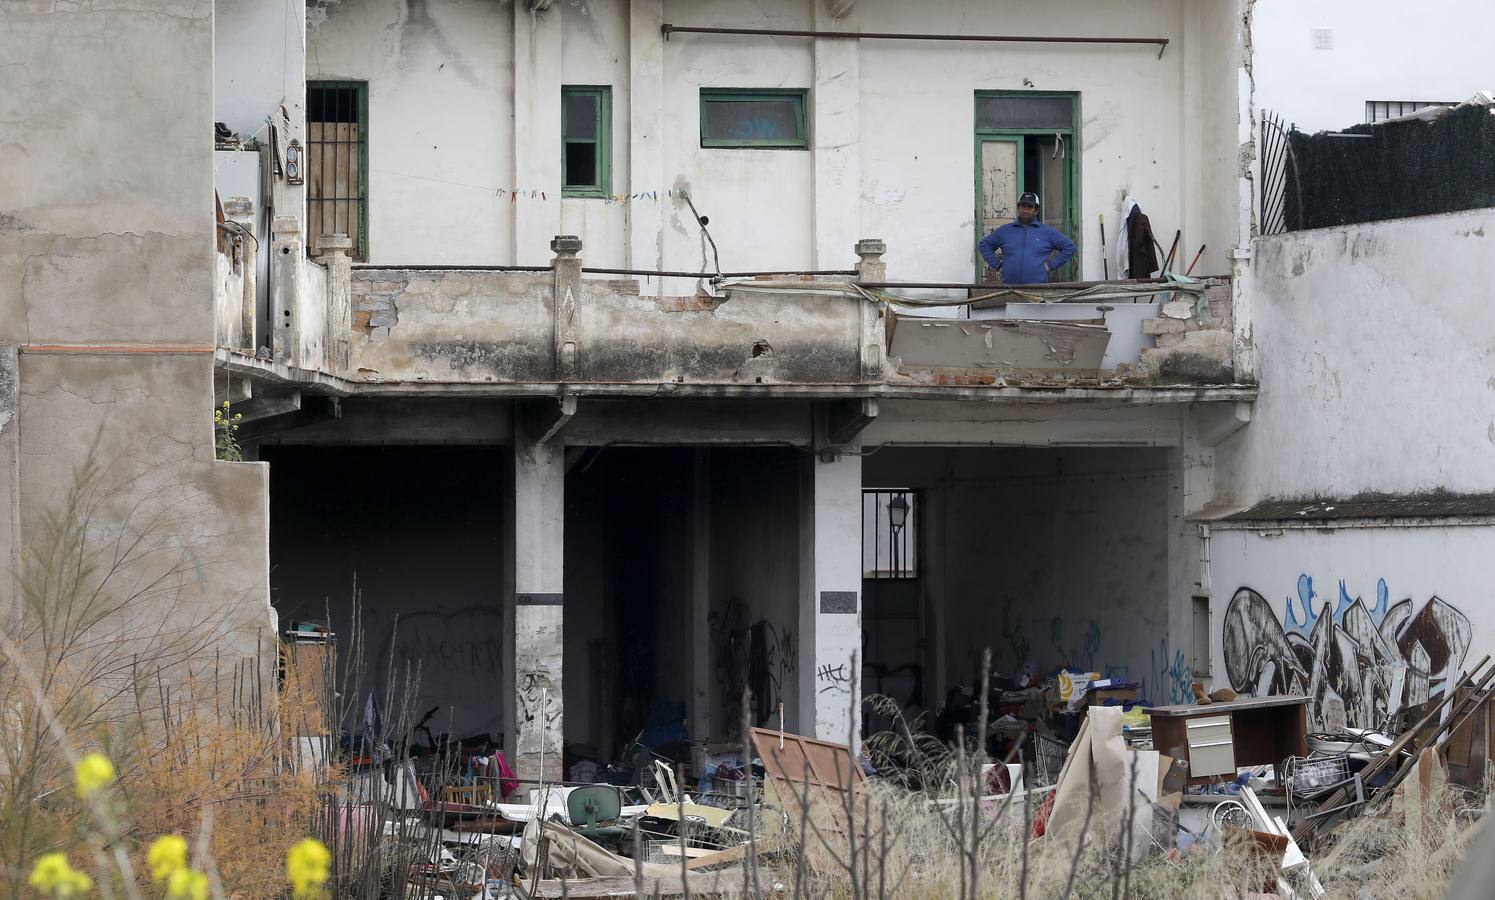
<point>667,29</point>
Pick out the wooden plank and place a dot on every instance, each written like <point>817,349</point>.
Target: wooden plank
<point>731,854</point>
<point>1193,709</point>
<point>716,882</point>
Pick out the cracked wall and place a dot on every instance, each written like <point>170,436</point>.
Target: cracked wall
<point>107,269</point>
<point>1375,362</point>
<point>483,326</point>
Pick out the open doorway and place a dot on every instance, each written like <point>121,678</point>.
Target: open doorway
<point>408,543</point>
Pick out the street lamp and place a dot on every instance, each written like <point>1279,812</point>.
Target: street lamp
<point>897,517</point>
<point>898,511</point>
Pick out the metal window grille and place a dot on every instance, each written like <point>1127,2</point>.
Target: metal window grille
<point>337,137</point>
<point>889,550</point>
<point>1381,110</point>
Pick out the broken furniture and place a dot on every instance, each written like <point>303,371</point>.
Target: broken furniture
<point>1218,738</point>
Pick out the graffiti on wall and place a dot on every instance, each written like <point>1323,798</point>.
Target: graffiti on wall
<point>759,656</point>
<point>1175,675</point>
<point>1373,659</point>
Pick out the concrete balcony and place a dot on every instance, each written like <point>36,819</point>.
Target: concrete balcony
<point>434,331</point>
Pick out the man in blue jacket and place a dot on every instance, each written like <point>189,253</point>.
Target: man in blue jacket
<point>1024,250</point>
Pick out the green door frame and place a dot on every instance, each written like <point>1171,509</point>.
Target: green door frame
<point>1069,221</point>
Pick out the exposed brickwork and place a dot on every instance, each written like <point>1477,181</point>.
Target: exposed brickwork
<point>374,295</point>
<point>692,303</point>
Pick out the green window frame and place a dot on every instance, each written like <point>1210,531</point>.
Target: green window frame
<point>761,135</point>
<point>586,141</point>
<point>337,161</point>
<point>1068,219</point>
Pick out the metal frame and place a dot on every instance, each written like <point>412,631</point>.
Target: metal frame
<point>361,89</point>
<point>603,105</point>
<point>1071,219</point>
<point>800,96</point>
<point>903,542</point>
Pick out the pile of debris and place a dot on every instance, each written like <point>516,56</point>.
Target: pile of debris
<point>787,815</point>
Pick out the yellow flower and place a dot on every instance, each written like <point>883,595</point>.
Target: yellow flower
<point>186,884</point>
<point>51,875</point>
<point>93,772</point>
<point>167,856</point>
<point>307,867</point>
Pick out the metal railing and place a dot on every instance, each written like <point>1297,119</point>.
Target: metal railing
<point>1278,175</point>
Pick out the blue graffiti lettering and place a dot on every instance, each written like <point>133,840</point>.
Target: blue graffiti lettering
<point>1174,673</point>
<point>756,128</point>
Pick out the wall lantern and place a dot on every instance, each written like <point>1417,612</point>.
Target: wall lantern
<point>294,175</point>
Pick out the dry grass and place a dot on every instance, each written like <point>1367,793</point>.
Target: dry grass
<point>90,660</point>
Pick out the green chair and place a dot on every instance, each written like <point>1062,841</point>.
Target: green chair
<point>596,803</point>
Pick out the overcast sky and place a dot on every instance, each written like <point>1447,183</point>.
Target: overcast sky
<point>1380,50</point>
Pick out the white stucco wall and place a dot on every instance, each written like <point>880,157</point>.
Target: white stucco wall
<point>1374,354</point>
<point>1382,51</point>
<point>1380,567</point>
<point>891,146</point>
<point>257,61</point>
<point>440,122</point>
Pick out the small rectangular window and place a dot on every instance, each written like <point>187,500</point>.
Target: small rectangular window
<point>586,141</point>
<point>753,118</point>
<point>337,147</point>
<point>1024,112</point>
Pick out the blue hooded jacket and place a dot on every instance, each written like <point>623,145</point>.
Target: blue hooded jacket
<point>1025,251</point>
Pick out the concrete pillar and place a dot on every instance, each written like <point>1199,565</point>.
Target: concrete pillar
<point>645,137</point>
<point>830,595</point>
<point>870,265</point>
<point>837,146</point>
<point>537,651</point>
<point>333,252</point>
<point>566,289</point>
<point>537,128</point>
<point>872,270</point>
<point>286,252</point>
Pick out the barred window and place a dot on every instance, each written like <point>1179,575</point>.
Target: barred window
<point>337,142</point>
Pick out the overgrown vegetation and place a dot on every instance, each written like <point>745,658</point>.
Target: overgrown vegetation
<point>226,433</point>
<point>94,672</point>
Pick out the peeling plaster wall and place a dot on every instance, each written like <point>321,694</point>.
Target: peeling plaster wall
<point>443,326</point>
<point>411,324</point>
<point>106,238</point>
<point>1058,557</point>
<point>440,121</point>
<point>1375,357</point>
<point>442,93</point>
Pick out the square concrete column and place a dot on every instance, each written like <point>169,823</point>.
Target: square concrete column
<point>830,595</point>
<point>539,540</point>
